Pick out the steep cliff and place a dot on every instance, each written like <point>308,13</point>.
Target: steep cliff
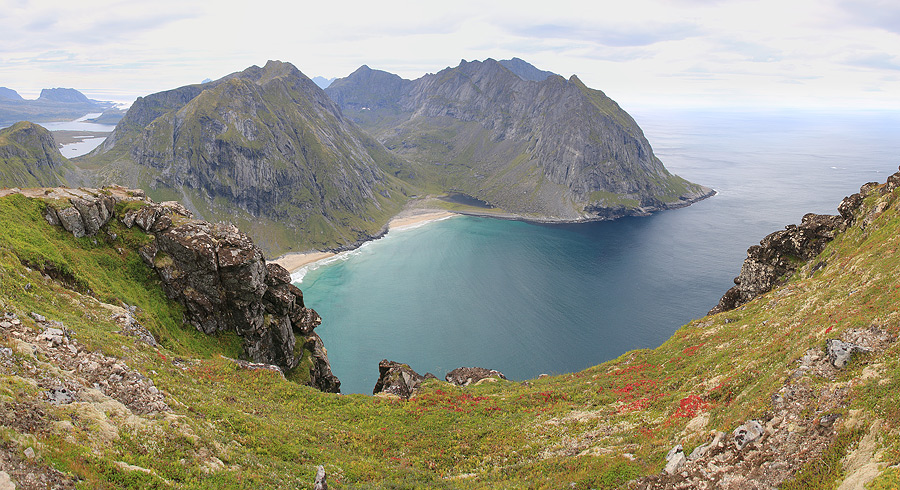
<point>264,148</point>
<point>532,143</point>
<point>29,157</point>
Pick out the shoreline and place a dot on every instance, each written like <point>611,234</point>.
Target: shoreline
<point>413,217</point>
<point>404,220</point>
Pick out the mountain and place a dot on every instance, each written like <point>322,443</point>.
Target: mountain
<point>525,70</point>
<point>29,157</point>
<point>64,95</point>
<point>9,94</point>
<point>107,382</point>
<point>323,82</point>
<point>54,104</point>
<point>264,148</point>
<point>548,150</point>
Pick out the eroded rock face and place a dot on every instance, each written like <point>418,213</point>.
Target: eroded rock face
<point>781,253</point>
<point>217,273</point>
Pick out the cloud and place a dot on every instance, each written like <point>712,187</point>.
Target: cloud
<point>877,61</point>
<point>610,35</point>
<point>884,14</point>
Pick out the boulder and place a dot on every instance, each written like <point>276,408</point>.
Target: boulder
<point>840,352</point>
<point>397,379</point>
<point>747,433</point>
<point>465,376</point>
<point>675,459</point>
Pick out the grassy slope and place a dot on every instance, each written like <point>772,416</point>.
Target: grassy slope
<point>25,165</point>
<point>270,433</point>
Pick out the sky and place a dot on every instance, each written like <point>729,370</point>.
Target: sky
<point>680,53</point>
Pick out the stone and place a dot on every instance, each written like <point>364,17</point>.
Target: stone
<point>60,396</point>
<point>5,482</point>
<point>397,379</point>
<point>747,433</point>
<point>465,376</point>
<point>321,482</point>
<point>840,352</point>
<point>674,460</point>
<point>29,453</point>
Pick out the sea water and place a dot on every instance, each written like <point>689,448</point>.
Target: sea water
<point>528,299</point>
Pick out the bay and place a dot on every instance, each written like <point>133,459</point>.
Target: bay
<point>528,299</point>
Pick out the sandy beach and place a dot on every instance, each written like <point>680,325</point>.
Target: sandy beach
<point>405,219</point>
<point>294,261</point>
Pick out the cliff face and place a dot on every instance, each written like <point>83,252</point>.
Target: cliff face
<point>213,270</point>
<point>261,145</point>
<point>534,144</point>
<point>29,157</point>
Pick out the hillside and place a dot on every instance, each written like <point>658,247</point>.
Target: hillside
<point>525,141</point>
<point>263,148</point>
<point>87,400</point>
<point>29,158</point>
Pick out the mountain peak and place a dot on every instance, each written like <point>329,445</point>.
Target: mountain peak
<point>9,94</point>
<point>525,70</point>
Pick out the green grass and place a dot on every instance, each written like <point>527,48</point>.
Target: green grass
<point>271,432</point>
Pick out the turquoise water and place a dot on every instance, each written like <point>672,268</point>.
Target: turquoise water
<point>528,299</point>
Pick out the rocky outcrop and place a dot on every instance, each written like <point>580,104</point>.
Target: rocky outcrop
<point>527,141</point>
<point>214,270</point>
<point>397,379</point>
<point>781,253</point>
<point>465,376</point>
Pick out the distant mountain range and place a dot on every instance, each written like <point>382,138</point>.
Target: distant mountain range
<point>323,82</point>
<point>519,138</point>
<point>54,104</point>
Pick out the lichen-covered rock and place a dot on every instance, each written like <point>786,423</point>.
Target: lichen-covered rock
<point>398,379</point>
<point>465,376</point>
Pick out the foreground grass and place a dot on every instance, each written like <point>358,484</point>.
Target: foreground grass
<point>598,428</point>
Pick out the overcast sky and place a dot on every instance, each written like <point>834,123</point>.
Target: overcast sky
<point>794,53</point>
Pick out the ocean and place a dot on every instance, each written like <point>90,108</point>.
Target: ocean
<point>528,299</point>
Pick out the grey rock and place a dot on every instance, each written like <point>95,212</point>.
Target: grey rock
<point>465,376</point>
<point>60,396</point>
<point>747,433</point>
<point>840,352</point>
<point>321,482</point>
<point>674,459</point>
<point>397,379</point>
<point>702,449</point>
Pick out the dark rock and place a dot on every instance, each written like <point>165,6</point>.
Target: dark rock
<point>397,379</point>
<point>840,352</point>
<point>321,376</point>
<point>465,376</point>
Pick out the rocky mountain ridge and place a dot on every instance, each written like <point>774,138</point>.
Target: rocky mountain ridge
<point>553,149</point>
<point>264,148</point>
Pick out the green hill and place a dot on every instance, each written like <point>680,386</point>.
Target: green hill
<point>29,157</point>
<point>87,401</point>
